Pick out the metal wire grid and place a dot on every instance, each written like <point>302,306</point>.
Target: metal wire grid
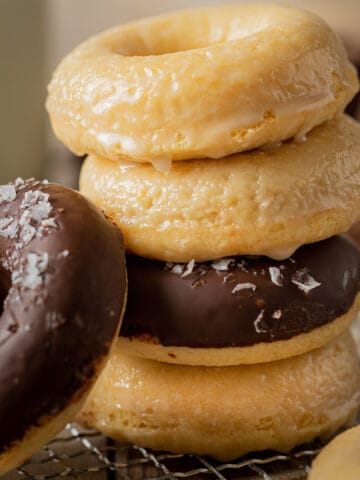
<point>82,454</point>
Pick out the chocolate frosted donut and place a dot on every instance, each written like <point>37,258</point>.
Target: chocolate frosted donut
<point>61,309</point>
<point>241,310</point>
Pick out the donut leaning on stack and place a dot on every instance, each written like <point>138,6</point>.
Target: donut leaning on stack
<point>217,144</point>
<point>57,322</point>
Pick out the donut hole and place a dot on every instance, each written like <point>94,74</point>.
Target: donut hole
<point>166,35</point>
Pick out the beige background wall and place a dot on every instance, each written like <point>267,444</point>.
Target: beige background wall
<point>22,88</point>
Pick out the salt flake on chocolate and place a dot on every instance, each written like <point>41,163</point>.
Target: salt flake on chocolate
<point>189,268</point>
<point>7,193</point>
<point>304,281</point>
<point>178,269</point>
<point>27,233</point>
<point>277,314</point>
<point>276,276</point>
<point>8,227</point>
<point>37,204</point>
<point>49,223</point>
<point>40,211</point>
<point>31,274</point>
<point>33,197</point>
<point>257,322</point>
<point>244,286</point>
<point>222,264</point>
<point>19,183</point>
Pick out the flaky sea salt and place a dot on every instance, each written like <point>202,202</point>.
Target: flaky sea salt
<point>19,183</point>
<point>49,223</point>
<point>277,314</point>
<point>304,281</point>
<point>27,234</point>
<point>257,322</point>
<point>8,227</point>
<point>40,211</point>
<point>37,204</point>
<point>276,276</point>
<point>222,264</point>
<point>178,269</point>
<point>30,274</point>
<point>244,286</point>
<point>33,219</point>
<point>7,193</point>
<point>189,268</point>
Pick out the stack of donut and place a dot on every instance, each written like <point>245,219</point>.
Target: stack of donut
<point>217,142</point>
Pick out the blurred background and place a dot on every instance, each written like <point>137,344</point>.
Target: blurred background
<point>36,34</point>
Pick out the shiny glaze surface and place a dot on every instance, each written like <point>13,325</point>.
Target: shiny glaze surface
<point>297,193</point>
<point>270,72</point>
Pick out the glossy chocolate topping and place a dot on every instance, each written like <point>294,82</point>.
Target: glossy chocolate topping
<point>63,275</point>
<point>243,301</point>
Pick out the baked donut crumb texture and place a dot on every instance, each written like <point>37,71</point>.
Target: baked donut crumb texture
<point>225,412</point>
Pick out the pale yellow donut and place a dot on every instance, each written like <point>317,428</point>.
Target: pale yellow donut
<point>340,460</point>
<point>228,411</point>
<point>200,83</point>
<point>264,202</point>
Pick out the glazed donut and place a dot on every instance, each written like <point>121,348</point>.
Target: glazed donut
<point>270,73</point>
<point>339,459</point>
<point>225,412</point>
<point>61,310</point>
<point>202,210</point>
<point>242,310</point>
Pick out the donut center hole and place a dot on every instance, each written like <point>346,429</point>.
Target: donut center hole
<point>186,33</point>
<point>5,284</point>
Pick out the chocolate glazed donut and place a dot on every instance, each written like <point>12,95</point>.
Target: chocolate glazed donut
<point>244,302</point>
<point>61,306</point>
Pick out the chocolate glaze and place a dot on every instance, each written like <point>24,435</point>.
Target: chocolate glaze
<point>202,309</point>
<point>58,323</point>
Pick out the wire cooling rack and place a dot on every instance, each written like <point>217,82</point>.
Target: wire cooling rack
<point>87,455</point>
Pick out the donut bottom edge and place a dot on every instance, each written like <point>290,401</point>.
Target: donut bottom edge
<point>38,436</point>
<point>225,412</point>
<point>48,426</point>
<point>149,347</point>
